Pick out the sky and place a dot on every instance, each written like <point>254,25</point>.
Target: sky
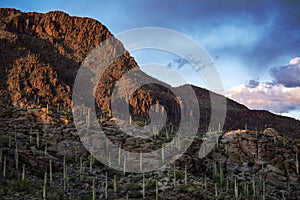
<point>255,45</point>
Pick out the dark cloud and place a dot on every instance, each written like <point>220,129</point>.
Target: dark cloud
<point>289,75</point>
<point>270,84</point>
<point>252,83</point>
<point>217,57</point>
<point>178,63</point>
<point>276,26</point>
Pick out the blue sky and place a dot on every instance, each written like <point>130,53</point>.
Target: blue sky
<point>254,44</point>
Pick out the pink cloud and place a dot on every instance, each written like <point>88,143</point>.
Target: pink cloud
<point>280,96</point>
<point>276,98</point>
<point>295,61</point>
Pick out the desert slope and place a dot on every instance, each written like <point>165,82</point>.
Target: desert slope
<point>40,55</point>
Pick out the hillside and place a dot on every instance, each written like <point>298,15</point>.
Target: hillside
<point>40,56</point>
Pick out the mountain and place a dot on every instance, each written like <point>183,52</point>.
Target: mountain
<point>40,56</point>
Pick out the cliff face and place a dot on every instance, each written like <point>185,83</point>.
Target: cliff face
<point>41,54</point>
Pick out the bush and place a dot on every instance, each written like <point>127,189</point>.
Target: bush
<point>4,140</point>
<point>6,114</point>
<point>140,123</point>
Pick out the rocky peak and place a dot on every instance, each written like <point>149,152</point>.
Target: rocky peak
<point>41,53</point>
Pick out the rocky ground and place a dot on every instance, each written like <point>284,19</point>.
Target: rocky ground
<point>243,165</point>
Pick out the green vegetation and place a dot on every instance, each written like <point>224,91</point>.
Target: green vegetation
<point>57,177</point>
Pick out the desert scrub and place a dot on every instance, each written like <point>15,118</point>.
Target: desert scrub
<point>21,185</point>
<point>137,177</point>
<point>110,171</point>
<point>6,114</point>
<point>4,141</point>
<point>179,174</point>
<point>54,193</point>
<point>150,183</point>
<point>136,186</point>
<point>280,166</point>
<point>135,194</point>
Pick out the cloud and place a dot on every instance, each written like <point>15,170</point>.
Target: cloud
<point>276,98</point>
<point>245,30</point>
<point>252,83</point>
<point>288,75</point>
<point>295,61</point>
<point>178,63</point>
<point>282,95</point>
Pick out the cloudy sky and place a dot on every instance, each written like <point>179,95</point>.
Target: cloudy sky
<point>254,44</point>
